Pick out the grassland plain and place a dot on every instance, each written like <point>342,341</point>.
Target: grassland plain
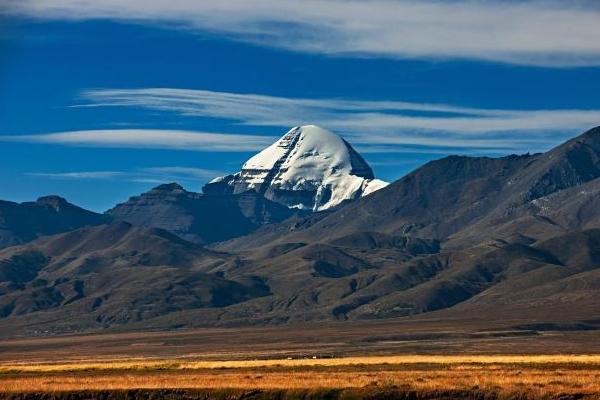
<point>482,376</point>
<point>420,335</point>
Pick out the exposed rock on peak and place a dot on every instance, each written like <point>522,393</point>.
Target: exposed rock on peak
<point>169,187</point>
<point>56,202</point>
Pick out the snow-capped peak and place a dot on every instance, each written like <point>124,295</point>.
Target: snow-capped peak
<point>307,168</point>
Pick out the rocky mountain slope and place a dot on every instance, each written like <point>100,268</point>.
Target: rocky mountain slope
<point>309,168</point>
<point>200,218</point>
<point>490,225</point>
<point>114,274</point>
<point>23,222</point>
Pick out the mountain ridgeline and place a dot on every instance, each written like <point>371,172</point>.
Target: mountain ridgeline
<point>200,218</point>
<point>23,222</point>
<point>297,236</point>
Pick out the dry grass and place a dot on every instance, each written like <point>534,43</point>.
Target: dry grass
<point>183,364</point>
<point>536,374</point>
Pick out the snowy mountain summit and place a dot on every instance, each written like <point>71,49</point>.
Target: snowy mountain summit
<point>307,168</point>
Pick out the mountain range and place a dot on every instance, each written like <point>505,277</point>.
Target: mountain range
<point>298,235</point>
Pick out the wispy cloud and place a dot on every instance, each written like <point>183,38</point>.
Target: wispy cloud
<point>146,175</point>
<point>372,126</point>
<point>375,126</point>
<point>184,172</point>
<point>536,32</point>
<point>150,139</point>
<point>81,175</point>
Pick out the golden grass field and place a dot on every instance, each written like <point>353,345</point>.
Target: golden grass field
<point>534,374</point>
<point>424,359</point>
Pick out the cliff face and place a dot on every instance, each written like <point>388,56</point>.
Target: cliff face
<point>197,217</point>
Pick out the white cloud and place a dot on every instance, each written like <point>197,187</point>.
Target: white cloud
<point>184,172</point>
<point>372,125</point>
<point>536,32</point>
<point>150,139</point>
<point>147,175</point>
<point>82,175</point>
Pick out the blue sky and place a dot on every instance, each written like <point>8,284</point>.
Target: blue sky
<point>100,101</point>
